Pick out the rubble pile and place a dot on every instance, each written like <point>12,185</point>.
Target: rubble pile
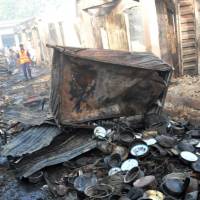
<point>122,161</point>
<point>103,143</point>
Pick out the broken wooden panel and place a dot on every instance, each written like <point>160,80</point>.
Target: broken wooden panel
<point>167,31</point>
<point>99,84</point>
<point>63,148</point>
<point>30,141</point>
<point>116,31</point>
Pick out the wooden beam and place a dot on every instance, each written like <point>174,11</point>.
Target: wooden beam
<point>197,25</point>
<point>180,65</point>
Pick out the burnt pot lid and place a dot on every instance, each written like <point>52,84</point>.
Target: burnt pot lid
<point>144,181</point>
<point>194,133</point>
<point>188,156</point>
<point>174,187</point>
<point>140,149</point>
<point>166,141</point>
<point>196,166</point>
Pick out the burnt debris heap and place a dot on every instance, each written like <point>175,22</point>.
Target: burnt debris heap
<point>108,138</point>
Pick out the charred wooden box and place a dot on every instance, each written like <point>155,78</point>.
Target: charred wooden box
<point>90,84</point>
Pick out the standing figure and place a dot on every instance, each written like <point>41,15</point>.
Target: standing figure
<point>12,60</point>
<point>25,62</point>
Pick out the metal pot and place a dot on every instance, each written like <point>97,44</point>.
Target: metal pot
<point>100,191</point>
<point>113,160</point>
<point>146,182</point>
<point>122,151</point>
<point>126,138</point>
<point>188,158</point>
<point>139,149</point>
<point>133,174</point>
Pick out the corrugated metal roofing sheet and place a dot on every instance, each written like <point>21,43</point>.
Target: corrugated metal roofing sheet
<point>143,60</point>
<point>31,140</point>
<point>64,147</point>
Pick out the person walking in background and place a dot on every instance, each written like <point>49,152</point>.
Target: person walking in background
<point>25,62</point>
<point>12,61</point>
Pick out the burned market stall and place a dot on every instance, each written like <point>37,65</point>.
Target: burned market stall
<point>109,138</point>
<point>90,84</point>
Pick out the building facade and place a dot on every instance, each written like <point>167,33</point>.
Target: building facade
<point>167,28</point>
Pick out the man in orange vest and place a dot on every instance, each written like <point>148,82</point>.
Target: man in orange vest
<point>25,62</point>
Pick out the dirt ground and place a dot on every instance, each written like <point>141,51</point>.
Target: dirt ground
<point>183,99</point>
<point>16,100</point>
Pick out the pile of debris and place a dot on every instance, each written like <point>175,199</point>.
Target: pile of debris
<point>104,143</point>
<point>112,161</point>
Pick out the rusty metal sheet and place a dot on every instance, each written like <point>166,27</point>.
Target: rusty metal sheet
<point>89,84</point>
<point>31,140</point>
<point>25,115</point>
<point>63,148</point>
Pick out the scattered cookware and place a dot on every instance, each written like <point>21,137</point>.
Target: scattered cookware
<point>61,189</point>
<point>166,141</point>
<point>188,157</point>
<point>129,164</point>
<point>192,196</point>
<point>135,193</point>
<point>193,186</point>
<point>150,141</point>
<point>125,189</point>
<point>175,187</point>
<point>198,145</point>
<point>196,166</point>
<point>133,174</point>
<point>191,141</point>
<point>174,151</point>
<point>126,137</point>
<point>121,150</point>
<point>178,129</point>
<point>71,195</point>
<point>154,195</point>
<point>99,191</point>
<point>114,171</point>
<point>150,133</point>
<point>185,146</point>
<point>104,147</point>
<point>114,160</point>
<point>84,181</point>
<point>181,176</point>
<point>157,150</point>
<point>100,132</point>
<point>139,149</point>
<point>194,133</point>
<point>145,182</point>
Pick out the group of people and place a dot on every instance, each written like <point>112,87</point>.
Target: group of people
<point>22,58</point>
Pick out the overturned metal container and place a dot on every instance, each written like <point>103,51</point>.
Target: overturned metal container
<point>91,84</point>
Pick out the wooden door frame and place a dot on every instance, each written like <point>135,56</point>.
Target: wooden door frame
<point>179,47</point>
<point>197,26</point>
